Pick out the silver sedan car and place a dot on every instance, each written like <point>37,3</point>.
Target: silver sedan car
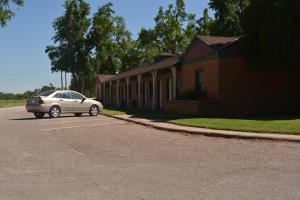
<point>62,101</point>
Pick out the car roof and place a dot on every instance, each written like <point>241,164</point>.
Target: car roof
<point>66,91</point>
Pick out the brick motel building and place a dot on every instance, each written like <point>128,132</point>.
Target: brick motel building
<point>212,68</point>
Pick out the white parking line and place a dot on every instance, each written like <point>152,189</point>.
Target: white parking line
<point>73,121</point>
<point>82,126</point>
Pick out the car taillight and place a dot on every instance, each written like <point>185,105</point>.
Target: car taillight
<point>41,101</point>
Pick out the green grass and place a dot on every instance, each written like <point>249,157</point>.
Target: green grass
<point>12,103</point>
<point>283,125</point>
<point>278,125</point>
<point>113,112</point>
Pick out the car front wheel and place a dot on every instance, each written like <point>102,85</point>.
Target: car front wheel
<point>94,110</point>
<point>54,112</point>
<point>39,115</point>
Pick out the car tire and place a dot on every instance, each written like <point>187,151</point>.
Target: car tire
<point>78,114</point>
<point>39,115</point>
<point>94,110</point>
<point>54,112</point>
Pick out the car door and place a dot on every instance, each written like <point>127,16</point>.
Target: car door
<point>64,101</point>
<point>79,105</point>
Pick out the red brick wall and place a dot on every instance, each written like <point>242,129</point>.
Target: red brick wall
<point>198,108</point>
<point>182,107</point>
<point>245,91</point>
<point>210,68</point>
<point>197,49</point>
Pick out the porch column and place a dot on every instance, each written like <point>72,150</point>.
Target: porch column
<point>110,93</point>
<point>139,78</point>
<point>173,70</point>
<point>127,92</point>
<point>104,95</point>
<point>154,88</point>
<point>118,93</point>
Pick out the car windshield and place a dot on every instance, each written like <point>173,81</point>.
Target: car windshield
<point>46,94</point>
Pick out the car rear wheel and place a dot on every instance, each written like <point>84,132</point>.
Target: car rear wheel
<point>54,112</point>
<point>94,110</point>
<point>39,115</point>
<point>78,114</point>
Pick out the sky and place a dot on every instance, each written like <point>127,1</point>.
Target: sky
<point>24,65</point>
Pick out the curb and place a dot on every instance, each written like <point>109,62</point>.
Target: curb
<point>217,133</point>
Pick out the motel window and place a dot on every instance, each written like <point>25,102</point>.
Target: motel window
<point>199,82</point>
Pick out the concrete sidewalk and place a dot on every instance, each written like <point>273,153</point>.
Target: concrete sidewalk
<point>161,125</point>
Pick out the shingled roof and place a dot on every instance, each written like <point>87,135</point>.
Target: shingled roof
<point>216,42</point>
<point>168,62</point>
<point>104,78</point>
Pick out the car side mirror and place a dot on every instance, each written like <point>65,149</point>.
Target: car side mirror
<point>83,99</point>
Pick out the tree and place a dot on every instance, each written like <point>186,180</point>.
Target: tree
<point>6,12</point>
<point>114,48</point>
<point>170,30</point>
<point>44,88</point>
<point>72,52</point>
<point>273,29</point>
<point>59,60</point>
<point>206,24</point>
<point>147,46</point>
<point>228,16</point>
<point>174,29</point>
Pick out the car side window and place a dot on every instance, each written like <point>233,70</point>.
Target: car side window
<point>76,95</point>
<point>62,95</point>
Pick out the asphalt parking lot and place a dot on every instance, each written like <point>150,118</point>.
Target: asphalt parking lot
<point>104,158</point>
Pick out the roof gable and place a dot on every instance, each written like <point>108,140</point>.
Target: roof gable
<point>218,43</point>
<point>205,46</point>
<point>197,49</point>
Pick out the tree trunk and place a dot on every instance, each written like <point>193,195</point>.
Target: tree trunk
<point>66,84</point>
<point>61,80</point>
<point>81,86</point>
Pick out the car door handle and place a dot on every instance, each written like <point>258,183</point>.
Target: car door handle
<point>75,101</point>
<point>61,100</point>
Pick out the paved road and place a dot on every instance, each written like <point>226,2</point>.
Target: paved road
<point>103,158</point>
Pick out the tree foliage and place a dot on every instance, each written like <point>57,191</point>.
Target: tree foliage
<point>172,34</point>
<point>273,29</point>
<point>72,52</point>
<point>206,24</point>
<point>112,42</point>
<point>6,13</point>
<point>228,16</point>
<point>173,31</point>
<point>148,45</point>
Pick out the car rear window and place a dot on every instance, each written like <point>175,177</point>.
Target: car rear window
<point>46,94</point>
